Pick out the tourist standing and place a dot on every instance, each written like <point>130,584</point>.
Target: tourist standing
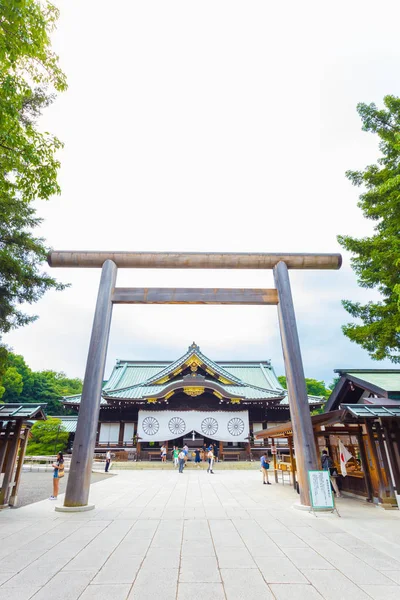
<point>210,457</point>
<point>186,451</point>
<point>108,461</point>
<point>175,453</point>
<point>197,458</point>
<point>181,457</point>
<point>204,452</point>
<point>216,450</point>
<point>163,453</point>
<point>328,465</point>
<point>264,468</point>
<point>58,473</point>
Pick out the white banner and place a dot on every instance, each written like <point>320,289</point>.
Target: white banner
<point>226,426</point>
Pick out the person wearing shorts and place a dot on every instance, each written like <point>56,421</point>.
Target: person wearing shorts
<point>264,468</point>
<point>58,472</point>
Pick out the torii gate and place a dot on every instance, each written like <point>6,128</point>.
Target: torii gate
<point>77,493</point>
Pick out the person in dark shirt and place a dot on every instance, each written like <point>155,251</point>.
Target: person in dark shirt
<point>328,465</point>
<point>197,458</point>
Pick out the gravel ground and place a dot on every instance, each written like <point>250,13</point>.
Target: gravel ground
<point>37,486</point>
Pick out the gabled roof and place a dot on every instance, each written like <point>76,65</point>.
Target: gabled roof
<point>387,380</point>
<point>139,380</point>
<point>194,357</point>
<point>353,384</point>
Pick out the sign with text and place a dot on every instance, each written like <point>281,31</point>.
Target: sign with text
<point>320,489</point>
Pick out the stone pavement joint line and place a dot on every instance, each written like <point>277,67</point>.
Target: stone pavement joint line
<point>226,536</point>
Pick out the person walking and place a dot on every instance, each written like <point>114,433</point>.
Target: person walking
<point>181,457</point>
<point>197,458</point>
<point>58,473</point>
<point>210,457</point>
<point>328,465</point>
<point>175,453</point>
<point>163,452</point>
<point>108,461</point>
<point>264,468</point>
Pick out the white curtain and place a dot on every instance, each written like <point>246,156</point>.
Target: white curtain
<point>109,433</point>
<point>226,426</point>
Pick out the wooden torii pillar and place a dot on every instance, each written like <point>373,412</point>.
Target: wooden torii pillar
<point>77,493</point>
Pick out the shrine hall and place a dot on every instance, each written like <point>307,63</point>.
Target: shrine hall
<point>193,400</point>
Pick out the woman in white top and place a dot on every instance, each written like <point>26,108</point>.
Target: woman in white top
<point>163,454</point>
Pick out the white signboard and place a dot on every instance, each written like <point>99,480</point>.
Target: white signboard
<point>160,426</point>
<point>320,489</point>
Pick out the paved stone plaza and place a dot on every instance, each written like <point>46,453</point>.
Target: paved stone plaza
<point>158,534</point>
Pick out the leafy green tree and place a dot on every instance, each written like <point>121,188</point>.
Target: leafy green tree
<point>13,385</point>
<point>376,259</point>
<point>29,74</point>
<point>20,384</point>
<point>314,387</point>
<point>47,437</point>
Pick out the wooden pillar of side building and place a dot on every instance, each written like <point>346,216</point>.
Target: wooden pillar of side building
<point>21,457</point>
<point>365,465</point>
<point>273,450</point>
<point>9,464</point>
<point>303,437</point>
<point>390,490</point>
<point>221,451</point>
<point>375,461</point>
<point>77,492</point>
<point>292,461</point>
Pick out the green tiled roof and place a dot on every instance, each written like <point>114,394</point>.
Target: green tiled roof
<point>135,380</point>
<point>386,379</point>
<point>15,410</point>
<point>361,410</point>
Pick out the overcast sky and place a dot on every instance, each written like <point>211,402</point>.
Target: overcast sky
<point>211,126</point>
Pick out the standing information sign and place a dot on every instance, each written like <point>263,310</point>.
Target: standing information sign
<point>321,496</point>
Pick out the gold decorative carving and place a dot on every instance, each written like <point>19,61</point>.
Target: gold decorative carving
<point>151,400</point>
<point>193,391</point>
<point>224,380</point>
<point>235,400</point>
<point>169,394</point>
<point>162,380</point>
<point>217,394</point>
<point>193,360</point>
<point>210,371</point>
<point>177,371</point>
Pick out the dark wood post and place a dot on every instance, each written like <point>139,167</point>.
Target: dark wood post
<point>394,462</point>
<point>273,450</point>
<point>365,465</point>
<point>78,486</point>
<point>303,437</point>
<point>11,457</point>
<point>375,460</point>
<point>3,447</point>
<point>292,461</point>
<point>21,457</point>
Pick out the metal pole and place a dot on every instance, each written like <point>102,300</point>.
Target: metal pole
<point>303,437</point>
<point>78,486</point>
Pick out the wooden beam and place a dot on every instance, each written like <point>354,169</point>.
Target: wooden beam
<point>194,296</point>
<point>77,492</point>
<point>193,260</point>
<point>303,436</point>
